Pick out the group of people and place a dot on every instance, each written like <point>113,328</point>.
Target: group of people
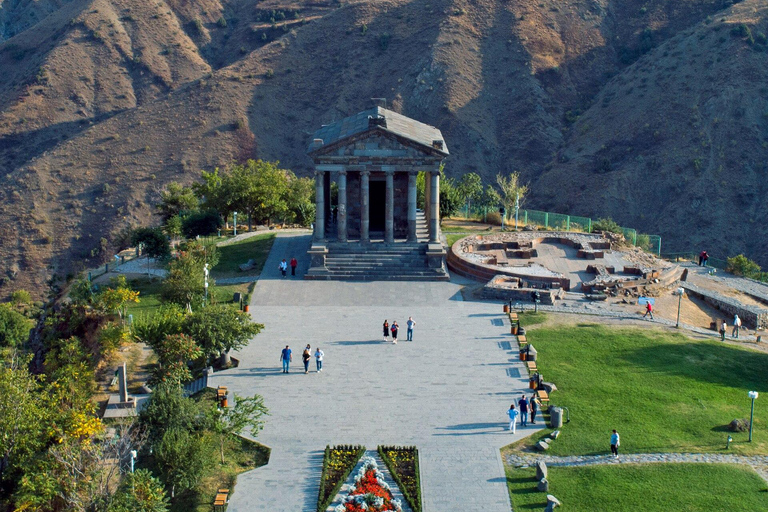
<point>286,356</point>
<point>734,332</point>
<point>524,406</point>
<point>395,328</point>
<point>284,267</point>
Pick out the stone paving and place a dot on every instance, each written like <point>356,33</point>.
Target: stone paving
<point>447,392</point>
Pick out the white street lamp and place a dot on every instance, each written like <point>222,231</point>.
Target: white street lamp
<point>753,396</point>
<point>235,223</point>
<point>680,293</point>
<point>205,273</point>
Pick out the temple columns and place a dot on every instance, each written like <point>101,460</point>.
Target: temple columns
<point>341,216</point>
<point>320,203</point>
<point>365,209</point>
<point>434,208</point>
<point>412,206</point>
<point>389,209</point>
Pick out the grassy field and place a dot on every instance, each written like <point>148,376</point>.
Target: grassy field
<point>643,488</point>
<point>454,237</point>
<point>662,391</point>
<point>232,256</point>
<point>528,318</point>
<point>149,294</point>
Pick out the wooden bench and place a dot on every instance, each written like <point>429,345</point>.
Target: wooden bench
<point>221,395</point>
<point>513,317</point>
<point>531,366</point>
<point>543,397</point>
<point>220,503</point>
<point>522,339</point>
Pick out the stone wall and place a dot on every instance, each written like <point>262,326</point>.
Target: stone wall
<point>753,317</point>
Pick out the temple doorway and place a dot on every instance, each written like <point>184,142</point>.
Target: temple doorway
<point>378,198</point>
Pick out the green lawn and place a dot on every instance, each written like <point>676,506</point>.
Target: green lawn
<point>453,238</point>
<point>149,295</point>
<point>232,256</point>
<point>528,318</point>
<point>643,488</point>
<point>662,391</point>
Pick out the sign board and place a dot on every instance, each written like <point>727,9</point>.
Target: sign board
<point>645,300</point>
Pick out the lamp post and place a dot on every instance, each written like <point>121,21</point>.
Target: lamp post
<point>680,292</point>
<point>753,396</point>
<point>205,274</point>
<point>133,459</point>
<point>517,208</point>
<point>235,223</point>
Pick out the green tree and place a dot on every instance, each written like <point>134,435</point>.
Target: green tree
<point>185,283</point>
<point>168,409</point>
<point>152,330</point>
<point>21,297</point>
<point>23,415</point>
<point>14,327</point>
<point>450,198</point>
<point>220,328</point>
<point>259,189</point>
<point>139,492</point>
<point>214,193</point>
<point>173,226</point>
<point>153,241</point>
<point>182,458</point>
<point>201,223</point>
<point>116,297</point>
<point>511,191</point>
<point>301,200</point>
<point>470,187</point>
<point>742,266</point>
<point>173,355</point>
<point>231,421</point>
<point>176,200</point>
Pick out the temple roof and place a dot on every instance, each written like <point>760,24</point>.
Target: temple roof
<point>379,118</point>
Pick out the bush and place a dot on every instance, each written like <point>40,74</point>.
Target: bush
<point>607,224</point>
<point>201,223</point>
<point>153,240</point>
<point>742,266</point>
<point>221,23</point>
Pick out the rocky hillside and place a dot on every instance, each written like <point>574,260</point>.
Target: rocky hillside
<point>652,112</point>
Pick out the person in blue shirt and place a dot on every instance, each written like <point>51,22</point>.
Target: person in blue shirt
<point>286,358</point>
<point>513,414</point>
<point>615,441</point>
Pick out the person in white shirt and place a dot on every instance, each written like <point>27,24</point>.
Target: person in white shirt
<point>319,359</point>
<point>736,325</point>
<point>283,267</point>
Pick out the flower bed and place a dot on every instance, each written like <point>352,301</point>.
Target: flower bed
<point>338,463</point>
<point>369,493</point>
<point>403,463</point>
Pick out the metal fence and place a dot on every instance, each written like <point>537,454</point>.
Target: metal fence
<point>562,222</point>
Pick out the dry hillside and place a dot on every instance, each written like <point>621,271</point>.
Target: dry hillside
<point>649,111</point>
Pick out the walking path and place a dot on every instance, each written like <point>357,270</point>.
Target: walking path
<point>758,462</point>
<point>447,392</point>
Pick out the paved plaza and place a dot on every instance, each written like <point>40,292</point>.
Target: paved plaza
<point>446,392</point>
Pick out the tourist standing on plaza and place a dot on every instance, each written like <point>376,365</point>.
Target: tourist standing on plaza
<point>283,267</point>
<point>523,404</point>
<point>736,326</point>
<point>294,264</point>
<point>513,414</point>
<point>319,359</point>
<point>410,324</point>
<point>305,357</point>
<point>534,406</point>
<point>648,309</point>
<point>615,441</point>
<point>286,358</point>
<point>723,329</point>
<point>394,329</point>
<point>386,330</point>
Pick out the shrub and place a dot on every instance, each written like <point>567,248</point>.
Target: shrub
<point>384,40</point>
<point>607,224</point>
<point>742,266</point>
<point>221,22</point>
<point>197,25</point>
<point>21,297</point>
<point>269,74</point>
<point>201,224</point>
<point>153,240</point>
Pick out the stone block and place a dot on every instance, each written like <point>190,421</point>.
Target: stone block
<point>541,446</point>
<point>541,470</point>
<point>552,503</point>
<point>555,434</point>
<point>543,485</point>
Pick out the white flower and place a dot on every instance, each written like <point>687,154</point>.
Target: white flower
<point>340,508</point>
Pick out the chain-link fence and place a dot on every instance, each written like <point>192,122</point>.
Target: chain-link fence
<point>562,222</point>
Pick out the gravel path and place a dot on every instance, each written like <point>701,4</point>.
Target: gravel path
<point>757,462</point>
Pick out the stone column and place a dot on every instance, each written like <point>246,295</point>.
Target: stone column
<point>320,206</point>
<point>341,217</point>
<point>122,382</point>
<point>328,214</point>
<point>365,207</point>
<point>427,196</point>
<point>434,208</point>
<point>389,210</point>
<point>412,206</point>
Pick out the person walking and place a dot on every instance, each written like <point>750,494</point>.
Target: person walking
<point>736,326</point>
<point>648,309</point>
<point>615,441</point>
<point>704,258</point>
<point>283,267</point>
<point>386,330</point>
<point>394,330</point>
<point>305,357</point>
<point>534,405</point>
<point>319,359</point>
<point>294,264</point>
<point>513,414</point>
<point>701,257</point>
<point>723,329</point>
<point>286,358</point>
<point>410,324</point>
<point>523,405</point>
